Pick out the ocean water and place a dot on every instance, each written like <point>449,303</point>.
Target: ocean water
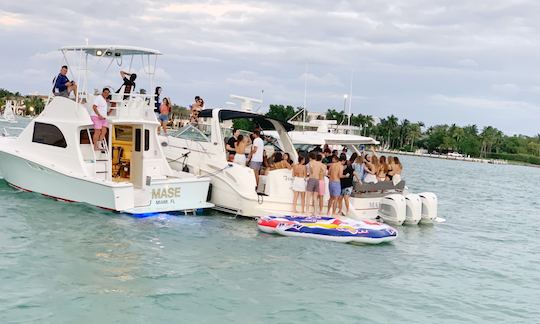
<point>72,263</point>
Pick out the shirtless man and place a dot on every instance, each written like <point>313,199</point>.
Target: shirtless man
<point>315,174</point>
<point>335,171</point>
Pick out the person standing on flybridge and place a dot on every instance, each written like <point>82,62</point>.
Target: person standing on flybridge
<point>98,114</point>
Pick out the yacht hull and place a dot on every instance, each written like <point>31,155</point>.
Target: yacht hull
<point>160,196</point>
<point>234,192</point>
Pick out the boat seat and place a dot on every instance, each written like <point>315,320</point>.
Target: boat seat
<point>379,186</point>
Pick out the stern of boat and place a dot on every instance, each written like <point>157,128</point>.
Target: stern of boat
<point>171,195</point>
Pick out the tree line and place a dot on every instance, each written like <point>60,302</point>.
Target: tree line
<point>29,101</point>
<point>391,132</point>
<point>405,135</point>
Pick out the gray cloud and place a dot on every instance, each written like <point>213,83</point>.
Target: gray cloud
<point>444,61</point>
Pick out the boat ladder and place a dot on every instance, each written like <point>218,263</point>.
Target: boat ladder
<point>102,166</point>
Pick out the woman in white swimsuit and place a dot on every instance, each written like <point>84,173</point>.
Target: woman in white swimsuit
<point>299,172</point>
<point>240,148</point>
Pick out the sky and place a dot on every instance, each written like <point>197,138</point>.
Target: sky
<point>463,62</point>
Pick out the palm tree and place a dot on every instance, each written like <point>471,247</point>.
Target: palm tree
<point>369,122</point>
<point>403,130</point>
<point>392,128</point>
<point>415,131</point>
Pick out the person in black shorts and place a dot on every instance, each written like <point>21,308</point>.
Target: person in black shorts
<point>346,185</point>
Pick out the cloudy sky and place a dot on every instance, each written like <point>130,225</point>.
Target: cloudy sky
<point>443,61</point>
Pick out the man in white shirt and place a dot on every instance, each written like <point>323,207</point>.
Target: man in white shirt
<point>99,118</point>
<point>257,150</point>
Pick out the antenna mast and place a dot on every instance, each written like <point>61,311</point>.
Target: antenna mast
<point>305,98</point>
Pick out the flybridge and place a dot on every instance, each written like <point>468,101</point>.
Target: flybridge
<point>78,59</point>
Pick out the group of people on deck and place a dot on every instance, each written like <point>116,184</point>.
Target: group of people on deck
<point>309,178</point>
<point>309,172</point>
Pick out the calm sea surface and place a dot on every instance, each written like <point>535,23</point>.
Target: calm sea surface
<point>72,263</point>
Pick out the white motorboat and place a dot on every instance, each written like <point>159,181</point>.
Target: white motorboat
<point>54,154</point>
<point>201,150</point>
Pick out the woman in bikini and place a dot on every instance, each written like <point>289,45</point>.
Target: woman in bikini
<point>397,169</point>
<point>383,169</point>
<point>371,169</point>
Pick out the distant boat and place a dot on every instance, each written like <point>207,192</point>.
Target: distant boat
<point>8,115</point>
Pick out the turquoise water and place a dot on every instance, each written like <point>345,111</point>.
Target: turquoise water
<point>72,263</point>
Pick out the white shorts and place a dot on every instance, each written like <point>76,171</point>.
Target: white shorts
<point>299,184</point>
<point>240,159</point>
<point>370,178</point>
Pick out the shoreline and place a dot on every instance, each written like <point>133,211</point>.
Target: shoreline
<point>447,157</point>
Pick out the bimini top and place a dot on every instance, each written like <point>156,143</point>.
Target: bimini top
<point>111,50</point>
<point>262,120</point>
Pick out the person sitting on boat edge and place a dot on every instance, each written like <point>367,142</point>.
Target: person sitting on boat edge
<point>128,85</point>
<point>278,163</point>
<point>62,86</point>
<point>195,108</point>
<point>98,114</point>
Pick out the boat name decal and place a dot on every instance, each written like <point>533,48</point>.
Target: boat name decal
<point>162,193</point>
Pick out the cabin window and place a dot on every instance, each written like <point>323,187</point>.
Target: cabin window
<point>137,140</point>
<point>123,133</point>
<point>49,135</point>
<point>84,138</point>
<point>146,139</point>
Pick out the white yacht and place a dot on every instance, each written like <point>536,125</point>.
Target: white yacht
<point>201,151</point>
<point>54,154</point>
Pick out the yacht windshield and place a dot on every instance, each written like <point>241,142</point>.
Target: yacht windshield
<point>190,132</point>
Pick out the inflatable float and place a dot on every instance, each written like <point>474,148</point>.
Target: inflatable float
<point>328,228</point>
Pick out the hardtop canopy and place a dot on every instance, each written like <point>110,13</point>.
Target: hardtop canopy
<point>263,121</point>
<point>111,50</point>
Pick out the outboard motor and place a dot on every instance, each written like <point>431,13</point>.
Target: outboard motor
<point>392,209</point>
<point>429,207</point>
<point>413,212</point>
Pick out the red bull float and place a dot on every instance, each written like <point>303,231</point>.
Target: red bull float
<point>329,229</point>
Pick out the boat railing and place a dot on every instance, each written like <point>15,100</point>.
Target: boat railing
<point>131,106</point>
